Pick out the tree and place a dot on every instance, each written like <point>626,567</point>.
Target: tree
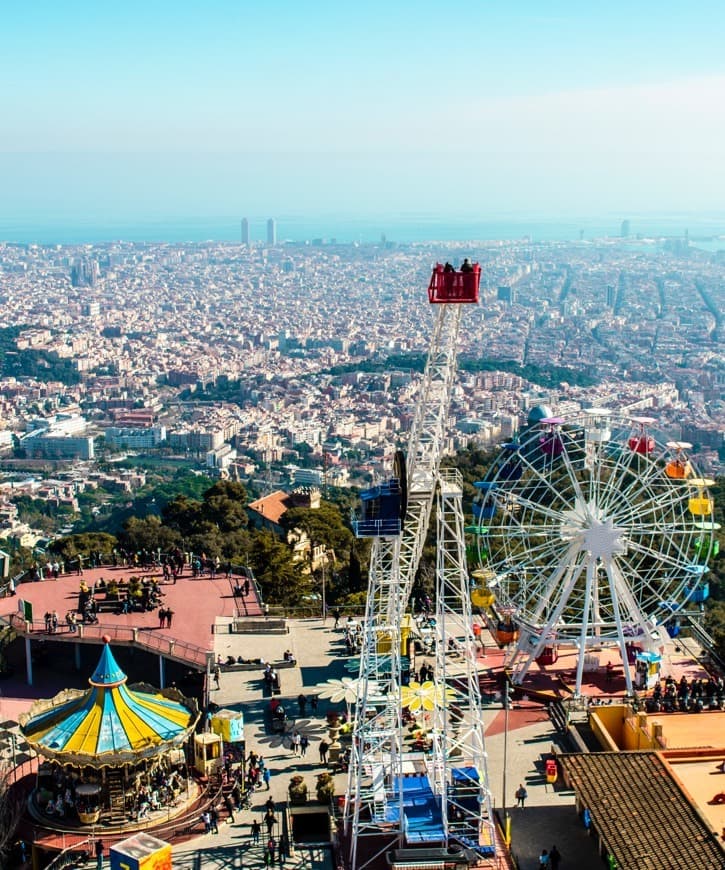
<point>207,540</point>
<point>281,580</point>
<point>86,542</point>
<point>323,526</point>
<point>21,559</point>
<point>183,515</point>
<point>149,534</point>
<point>225,504</point>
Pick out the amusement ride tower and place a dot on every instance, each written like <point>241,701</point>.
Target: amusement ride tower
<point>399,796</point>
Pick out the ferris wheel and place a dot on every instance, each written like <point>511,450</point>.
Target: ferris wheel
<point>591,533</point>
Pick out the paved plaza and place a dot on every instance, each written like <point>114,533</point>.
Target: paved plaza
<point>548,816</point>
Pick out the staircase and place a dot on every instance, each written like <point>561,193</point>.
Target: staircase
<point>116,797</point>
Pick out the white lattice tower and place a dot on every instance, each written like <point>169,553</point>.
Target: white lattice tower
<point>427,437</point>
<point>458,759</point>
<point>376,756</point>
<point>377,742</point>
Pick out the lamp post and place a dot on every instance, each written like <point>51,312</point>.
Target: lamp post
<point>325,559</point>
<point>506,705</point>
<point>324,603</point>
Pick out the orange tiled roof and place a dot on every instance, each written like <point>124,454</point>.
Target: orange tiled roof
<point>273,506</point>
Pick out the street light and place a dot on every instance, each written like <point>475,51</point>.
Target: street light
<point>507,693</point>
<point>325,558</point>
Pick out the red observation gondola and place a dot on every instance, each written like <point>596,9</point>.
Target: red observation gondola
<point>454,285</point>
<point>641,441</point>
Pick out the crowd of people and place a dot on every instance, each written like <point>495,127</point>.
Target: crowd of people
<point>687,696</point>
<point>150,790</point>
<point>153,791</point>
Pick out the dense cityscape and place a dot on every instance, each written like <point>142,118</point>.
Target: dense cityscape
<point>299,363</point>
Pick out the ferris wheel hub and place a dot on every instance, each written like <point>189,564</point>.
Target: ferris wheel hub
<point>587,526</point>
<point>603,540</point>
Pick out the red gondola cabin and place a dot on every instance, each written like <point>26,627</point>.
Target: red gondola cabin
<point>454,285</point>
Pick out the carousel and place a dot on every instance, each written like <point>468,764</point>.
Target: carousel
<point>114,753</point>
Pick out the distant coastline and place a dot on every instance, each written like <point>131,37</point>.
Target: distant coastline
<point>301,229</point>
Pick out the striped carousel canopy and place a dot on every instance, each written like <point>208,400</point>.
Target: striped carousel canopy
<point>108,724</point>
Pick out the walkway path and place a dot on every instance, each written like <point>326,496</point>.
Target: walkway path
<point>549,816</point>
<point>320,653</point>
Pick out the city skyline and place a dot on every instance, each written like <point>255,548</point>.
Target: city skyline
<point>234,109</point>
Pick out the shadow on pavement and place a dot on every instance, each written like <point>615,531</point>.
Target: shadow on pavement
<point>540,827</point>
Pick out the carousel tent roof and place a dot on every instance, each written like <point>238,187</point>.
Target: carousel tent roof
<point>108,724</point>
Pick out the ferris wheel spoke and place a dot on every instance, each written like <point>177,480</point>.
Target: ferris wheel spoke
<point>643,511</point>
<point>545,549</point>
<point>539,509</point>
<point>542,484</point>
<point>678,560</point>
<point>624,480</point>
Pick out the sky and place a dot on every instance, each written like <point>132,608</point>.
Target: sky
<point>176,109</point>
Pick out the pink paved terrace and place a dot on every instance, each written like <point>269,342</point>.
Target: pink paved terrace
<point>195,602</point>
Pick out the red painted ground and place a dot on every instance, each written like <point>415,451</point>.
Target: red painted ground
<point>524,714</point>
<point>195,602</point>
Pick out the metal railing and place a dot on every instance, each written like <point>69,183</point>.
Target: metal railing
<point>71,855</point>
<point>151,641</point>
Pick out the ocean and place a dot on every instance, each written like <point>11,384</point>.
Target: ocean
<point>344,229</point>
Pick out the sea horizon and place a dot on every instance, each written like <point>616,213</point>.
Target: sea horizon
<point>402,229</point>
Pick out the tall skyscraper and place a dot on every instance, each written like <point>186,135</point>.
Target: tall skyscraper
<point>271,231</point>
<point>245,231</point>
<point>624,231</point>
<point>84,273</point>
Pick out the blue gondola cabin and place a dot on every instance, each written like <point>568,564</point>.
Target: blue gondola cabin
<point>381,511</point>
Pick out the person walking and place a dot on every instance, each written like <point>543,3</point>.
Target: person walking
<point>271,848</point>
<point>99,854</point>
<point>269,820</point>
<point>217,675</point>
<point>206,818</point>
<point>313,705</point>
<point>296,739</point>
<point>255,829</point>
<point>324,746</point>
<point>214,819</point>
<point>304,743</point>
<point>302,703</point>
<point>544,860</point>
<point>169,616</point>
<point>521,795</point>
<point>229,804</point>
<point>283,850</point>
<point>267,776</point>
<point>554,858</point>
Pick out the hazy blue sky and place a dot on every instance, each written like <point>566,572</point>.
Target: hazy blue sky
<point>137,109</point>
